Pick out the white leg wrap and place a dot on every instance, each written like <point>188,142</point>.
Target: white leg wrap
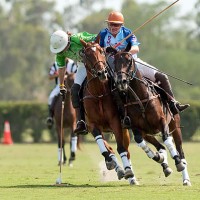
<point>115,159</point>
<point>129,160</point>
<point>185,172</point>
<point>74,144</point>
<point>147,150</point>
<point>59,151</point>
<point>101,144</point>
<point>124,159</point>
<point>164,153</point>
<point>169,144</point>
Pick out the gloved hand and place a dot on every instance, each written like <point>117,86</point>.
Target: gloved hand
<point>111,49</point>
<point>63,92</point>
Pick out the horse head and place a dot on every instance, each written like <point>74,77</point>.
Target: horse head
<point>94,59</point>
<point>124,69</point>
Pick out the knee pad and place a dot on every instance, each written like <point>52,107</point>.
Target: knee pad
<point>75,95</point>
<point>161,78</point>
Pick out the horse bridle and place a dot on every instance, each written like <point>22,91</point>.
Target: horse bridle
<point>131,73</point>
<point>93,67</point>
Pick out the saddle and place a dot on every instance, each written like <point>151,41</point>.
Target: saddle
<point>163,95</point>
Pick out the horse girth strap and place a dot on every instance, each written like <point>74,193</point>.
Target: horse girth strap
<point>92,96</point>
<point>142,101</point>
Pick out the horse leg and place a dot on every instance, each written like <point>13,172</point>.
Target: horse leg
<point>170,145</point>
<point>110,163</point>
<point>64,158</point>
<point>143,145</point>
<point>73,148</point>
<point>64,155</point>
<point>126,142</point>
<point>118,169</point>
<point>116,127</point>
<point>177,136</point>
<point>160,155</point>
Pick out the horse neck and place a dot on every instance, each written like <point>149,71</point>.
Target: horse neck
<point>97,87</point>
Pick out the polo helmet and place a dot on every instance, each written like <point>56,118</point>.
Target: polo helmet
<point>115,17</point>
<point>58,41</point>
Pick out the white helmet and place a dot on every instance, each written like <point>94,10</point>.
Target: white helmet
<point>58,41</point>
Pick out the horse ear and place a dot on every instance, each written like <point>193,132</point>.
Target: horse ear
<point>83,42</point>
<point>111,50</point>
<point>97,40</point>
<point>128,47</point>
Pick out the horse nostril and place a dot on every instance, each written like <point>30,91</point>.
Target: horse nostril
<point>124,81</point>
<point>99,73</point>
<point>105,71</point>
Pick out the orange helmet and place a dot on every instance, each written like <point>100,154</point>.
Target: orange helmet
<point>115,17</point>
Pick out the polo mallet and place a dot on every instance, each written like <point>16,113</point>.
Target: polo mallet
<point>59,179</point>
<point>164,73</point>
<point>149,20</point>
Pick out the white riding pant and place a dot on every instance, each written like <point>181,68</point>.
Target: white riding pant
<point>53,93</point>
<point>80,75</point>
<point>148,72</point>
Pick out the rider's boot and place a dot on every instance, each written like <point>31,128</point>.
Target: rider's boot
<point>125,119</point>
<point>81,127</point>
<point>177,107</point>
<point>174,105</point>
<point>49,120</point>
<point>126,122</point>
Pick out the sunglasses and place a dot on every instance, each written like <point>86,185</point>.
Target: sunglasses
<point>115,25</point>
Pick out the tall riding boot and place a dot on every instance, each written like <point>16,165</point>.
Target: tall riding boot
<point>164,83</point>
<point>81,126</point>
<point>49,120</point>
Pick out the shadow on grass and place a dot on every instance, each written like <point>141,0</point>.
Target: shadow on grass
<point>68,185</point>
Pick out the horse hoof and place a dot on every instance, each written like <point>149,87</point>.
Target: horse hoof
<point>180,167</point>
<point>120,173</point>
<point>111,165</point>
<point>128,174</point>
<point>64,163</point>
<point>133,181</point>
<point>187,182</point>
<point>70,164</point>
<point>167,171</point>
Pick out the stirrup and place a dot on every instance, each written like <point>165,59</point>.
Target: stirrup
<point>49,122</point>
<point>126,122</point>
<point>81,128</point>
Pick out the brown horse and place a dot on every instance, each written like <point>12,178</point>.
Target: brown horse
<point>147,111</point>
<point>101,111</point>
<point>69,122</point>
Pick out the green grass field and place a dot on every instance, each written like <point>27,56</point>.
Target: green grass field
<point>29,171</point>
